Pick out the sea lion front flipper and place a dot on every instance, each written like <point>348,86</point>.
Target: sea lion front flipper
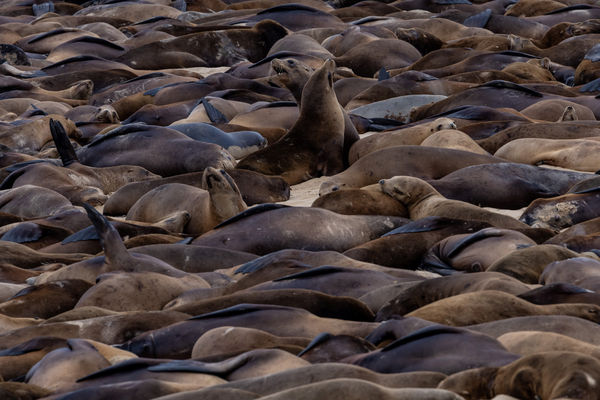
<point>114,248</point>
<point>63,144</point>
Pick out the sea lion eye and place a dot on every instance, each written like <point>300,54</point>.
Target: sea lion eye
<point>291,62</point>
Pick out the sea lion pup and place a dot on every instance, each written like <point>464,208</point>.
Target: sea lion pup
<point>115,258</point>
<point>293,74</point>
<point>77,182</point>
<point>314,145</point>
<point>413,135</point>
<point>422,200</point>
<point>218,199</point>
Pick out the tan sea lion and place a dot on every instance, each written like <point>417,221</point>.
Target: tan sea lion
<point>413,135</point>
<point>453,139</point>
<point>422,200</point>
<point>218,200</point>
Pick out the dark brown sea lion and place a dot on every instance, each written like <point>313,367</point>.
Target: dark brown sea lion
<point>419,161</point>
<point>240,233</point>
<point>185,51</point>
<point>121,146</point>
<point>459,352</point>
<point>320,153</point>
<point>59,296</point>
<point>405,247</point>
<point>277,320</point>
<point>422,200</point>
<point>526,184</point>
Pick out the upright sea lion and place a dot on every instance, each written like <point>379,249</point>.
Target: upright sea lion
<point>316,140</point>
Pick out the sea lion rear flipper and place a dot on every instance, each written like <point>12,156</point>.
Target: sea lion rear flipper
<point>114,248</point>
<point>215,116</point>
<point>224,367</point>
<point>63,144</point>
<point>23,233</point>
<point>478,20</point>
<point>591,86</point>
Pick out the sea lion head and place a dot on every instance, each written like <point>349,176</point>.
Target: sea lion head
<point>224,193</point>
<point>442,123</point>
<point>407,189</point>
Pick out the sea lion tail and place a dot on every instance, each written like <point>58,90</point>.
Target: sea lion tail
<point>111,241</point>
<point>63,144</point>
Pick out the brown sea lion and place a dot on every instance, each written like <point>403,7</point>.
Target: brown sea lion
<point>31,201</point>
<point>218,200</point>
<point>528,263</point>
<point>453,139</point>
<point>561,211</point>
<point>321,153</point>
<point>78,182</point>
<point>422,200</point>
<point>420,161</point>
<point>531,342</point>
<point>431,290</point>
<point>360,201</point>
<point>34,135</point>
<point>491,305</point>
<point>579,271</point>
<point>407,136</point>
<point>554,110</point>
<point>230,340</point>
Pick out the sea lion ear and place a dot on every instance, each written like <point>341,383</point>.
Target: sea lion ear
<point>545,63</point>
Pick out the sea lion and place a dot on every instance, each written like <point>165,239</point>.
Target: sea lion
<point>420,161</point>
<point>430,290</point>
<point>531,342</point>
<point>229,340</point>
<point>579,271</point>
<point>508,185</point>
<point>577,154</point>
<point>474,252</point>
<point>459,352</point>
<point>277,320</point>
<point>360,202</point>
<point>218,200</point>
<point>407,136</point>
<point>78,182</point>
<point>121,146</point>
<point>337,232</point>
<point>34,135</point>
<point>31,201</point>
<point>453,139</point>
<point>60,296</point>
<point>527,264</point>
<point>491,305</point>
<point>422,200</point>
<point>554,110</point>
<point>546,130</point>
<point>294,74</point>
<point>320,153</point>
<point>561,211</point>
<point>115,258</point>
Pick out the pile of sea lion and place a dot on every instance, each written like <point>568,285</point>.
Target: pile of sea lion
<point>149,149</point>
